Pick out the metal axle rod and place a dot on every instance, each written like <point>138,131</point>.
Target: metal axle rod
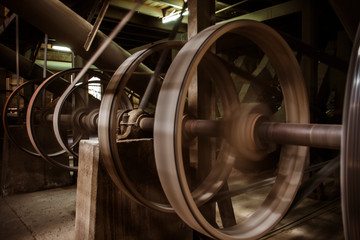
<point>312,135</point>
<point>85,120</point>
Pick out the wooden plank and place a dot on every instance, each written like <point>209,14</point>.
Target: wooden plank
<point>103,212</point>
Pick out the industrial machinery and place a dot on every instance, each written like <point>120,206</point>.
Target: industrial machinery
<point>229,116</point>
<point>245,133</point>
<point>34,104</point>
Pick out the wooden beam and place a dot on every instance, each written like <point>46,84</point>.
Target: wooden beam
<point>144,9</point>
<point>172,3</point>
<point>96,26</point>
<point>308,35</point>
<point>105,213</point>
<point>148,21</point>
<point>276,11</point>
<point>201,100</point>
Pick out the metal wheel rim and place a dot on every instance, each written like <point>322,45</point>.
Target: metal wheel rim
<point>108,121</point>
<point>59,137</point>
<point>30,127</point>
<point>59,106</point>
<point>167,130</point>
<point>5,122</point>
<point>350,151</point>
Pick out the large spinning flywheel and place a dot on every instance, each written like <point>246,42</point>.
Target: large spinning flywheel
<point>169,129</point>
<point>251,129</point>
<point>118,122</point>
<point>350,151</point>
<point>112,115</point>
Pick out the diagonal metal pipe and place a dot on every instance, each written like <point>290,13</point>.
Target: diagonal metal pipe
<point>60,22</point>
<point>28,70</point>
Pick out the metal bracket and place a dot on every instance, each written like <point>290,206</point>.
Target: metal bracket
<point>97,23</point>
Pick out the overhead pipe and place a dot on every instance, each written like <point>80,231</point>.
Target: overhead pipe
<point>60,22</point>
<point>27,69</point>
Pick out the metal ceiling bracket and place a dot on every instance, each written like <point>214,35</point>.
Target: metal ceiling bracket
<point>97,23</point>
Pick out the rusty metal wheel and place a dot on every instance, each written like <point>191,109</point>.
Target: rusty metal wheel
<point>14,116</point>
<point>168,130</point>
<point>85,98</point>
<point>110,110</point>
<point>40,114</point>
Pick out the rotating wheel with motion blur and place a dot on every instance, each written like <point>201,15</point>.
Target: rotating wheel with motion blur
<point>109,123</point>
<point>173,104</point>
<point>14,115</point>
<point>112,127</point>
<point>350,151</point>
<point>78,106</point>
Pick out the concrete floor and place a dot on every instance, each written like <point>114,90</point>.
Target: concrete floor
<point>50,215</point>
<point>312,219</point>
<point>45,215</point>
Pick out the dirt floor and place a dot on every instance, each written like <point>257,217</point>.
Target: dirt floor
<point>50,215</point>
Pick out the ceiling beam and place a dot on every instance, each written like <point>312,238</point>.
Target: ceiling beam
<point>276,11</point>
<point>144,9</point>
<point>148,21</point>
<point>172,3</point>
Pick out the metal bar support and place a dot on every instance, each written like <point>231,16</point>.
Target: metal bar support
<point>97,23</point>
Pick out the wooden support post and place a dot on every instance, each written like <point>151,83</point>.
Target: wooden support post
<point>200,17</point>
<point>3,97</point>
<point>309,65</point>
<point>103,212</point>
<point>202,106</point>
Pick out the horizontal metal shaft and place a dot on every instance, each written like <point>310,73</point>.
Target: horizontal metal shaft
<point>86,121</point>
<point>312,135</point>
<point>192,128</point>
<point>204,128</point>
<point>64,118</point>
